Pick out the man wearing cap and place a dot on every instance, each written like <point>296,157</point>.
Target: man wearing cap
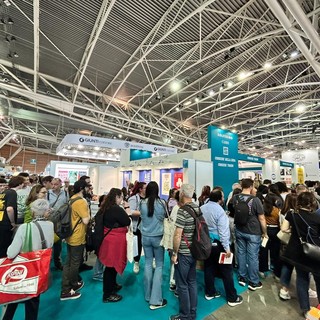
<point>80,217</point>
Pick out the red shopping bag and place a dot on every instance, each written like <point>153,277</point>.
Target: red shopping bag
<point>24,277</point>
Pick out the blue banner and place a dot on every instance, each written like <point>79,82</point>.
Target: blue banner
<point>286,164</point>
<point>224,155</point>
<point>145,176</point>
<point>250,158</point>
<point>139,154</point>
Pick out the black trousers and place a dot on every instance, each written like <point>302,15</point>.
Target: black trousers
<point>273,245</point>
<point>5,241</point>
<point>212,268</point>
<point>57,247</point>
<point>109,281</point>
<point>31,309</point>
<point>139,236</point>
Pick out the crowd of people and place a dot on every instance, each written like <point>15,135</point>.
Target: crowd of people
<point>243,227</point>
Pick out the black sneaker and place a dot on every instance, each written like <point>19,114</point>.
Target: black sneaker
<point>235,303</point>
<point>254,287</point>
<point>172,287</point>
<point>85,267</point>
<point>157,306</point>
<point>242,281</point>
<point>175,317</point>
<point>117,287</point>
<point>70,295</point>
<point>176,294</point>
<point>112,298</point>
<point>217,294</point>
<point>79,286</point>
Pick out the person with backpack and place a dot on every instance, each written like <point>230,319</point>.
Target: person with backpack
<point>153,211</point>
<point>138,193</point>
<point>185,263</point>
<point>80,217</point>
<point>272,206</point>
<point>219,231</point>
<point>250,226</point>
<point>113,250</point>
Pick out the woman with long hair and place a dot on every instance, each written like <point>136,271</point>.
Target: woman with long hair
<point>37,192</point>
<point>153,211</point>
<point>205,194</point>
<point>305,223</point>
<point>113,250</point>
<point>138,193</point>
<point>172,199</point>
<point>272,206</point>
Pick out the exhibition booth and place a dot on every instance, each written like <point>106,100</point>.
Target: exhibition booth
<point>220,164</point>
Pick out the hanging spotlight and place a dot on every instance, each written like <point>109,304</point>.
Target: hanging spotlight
<point>201,72</point>
<point>211,93</point>
<point>13,38</point>
<point>7,39</point>
<point>10,21</point>
<point>196,99</point>
<point>10,56</point>
<point>2,21</point>
<point>16,55</point>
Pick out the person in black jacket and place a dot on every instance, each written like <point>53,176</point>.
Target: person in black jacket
<point>306,216</point>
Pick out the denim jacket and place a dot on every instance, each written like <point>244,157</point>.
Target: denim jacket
<point>152,226</point>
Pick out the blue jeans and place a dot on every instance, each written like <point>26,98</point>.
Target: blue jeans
<point>98,269</point>
<point>153,280</point>
<point>248,255</point>
<point>185,275</point>
<point>302,285</point>
<point>286,273</point>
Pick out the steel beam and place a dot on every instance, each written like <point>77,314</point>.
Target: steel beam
<point>283,19</point>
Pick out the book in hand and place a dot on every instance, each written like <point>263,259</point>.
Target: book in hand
<point>223,258</point>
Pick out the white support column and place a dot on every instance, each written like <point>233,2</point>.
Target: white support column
<point>283,19</point>
<point>35,44</point>
<point>304,22</point>
<point>6,139</point>
<point>14,154</point>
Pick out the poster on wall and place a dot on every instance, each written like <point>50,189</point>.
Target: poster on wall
<point>126,178</point>
<point>166,183</point>
<point>177,179</point>
<point>145,176</point>
<point>71,175</point>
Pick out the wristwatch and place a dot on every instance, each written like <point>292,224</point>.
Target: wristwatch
<point>174,254</point>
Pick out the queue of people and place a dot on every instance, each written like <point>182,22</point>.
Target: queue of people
<point>254,240</point>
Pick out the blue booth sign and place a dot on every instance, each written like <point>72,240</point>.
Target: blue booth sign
<point>250,158</point>
<point>286,164</point>
<point>224,155</point>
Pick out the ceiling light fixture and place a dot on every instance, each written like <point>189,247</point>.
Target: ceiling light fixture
<point>10,21</point>
<point>211,93</point>
<point>300,108</point>
<point>196,99</point>
<point>267,65</point>
<point>294,54</point>
<point>187,103</point>
<point>175,86</point>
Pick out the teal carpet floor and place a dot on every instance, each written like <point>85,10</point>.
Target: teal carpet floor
<point>133,306</point>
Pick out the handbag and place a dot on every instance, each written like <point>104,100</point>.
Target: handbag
<point>311,250</point>
<point>27,275</point>
<point>284,236</point>
<point>168,231</point>
<point>132,244</point>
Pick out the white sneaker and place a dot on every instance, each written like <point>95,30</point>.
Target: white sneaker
<point>312,293</point>
<point>285,295</point>
<point>136,267</point>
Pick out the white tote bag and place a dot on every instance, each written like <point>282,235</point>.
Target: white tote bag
<point>132,244</point>
<point>168,231</point>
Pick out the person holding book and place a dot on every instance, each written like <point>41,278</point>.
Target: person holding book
<point>218,224</point>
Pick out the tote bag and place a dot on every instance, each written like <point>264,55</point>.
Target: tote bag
<point>27,275</point>
<point>132,244</point>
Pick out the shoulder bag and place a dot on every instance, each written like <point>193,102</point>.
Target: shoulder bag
<point>311,250</point>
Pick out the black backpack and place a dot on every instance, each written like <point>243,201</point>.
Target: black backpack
<point>201,242</point>
<point>242,210</point>
<point>61,219</point>
<point>95,233</point>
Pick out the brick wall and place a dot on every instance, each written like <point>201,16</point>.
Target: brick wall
<point>23,158</point>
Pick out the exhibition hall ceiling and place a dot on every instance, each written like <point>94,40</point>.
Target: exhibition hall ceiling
<point>161,72</point>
